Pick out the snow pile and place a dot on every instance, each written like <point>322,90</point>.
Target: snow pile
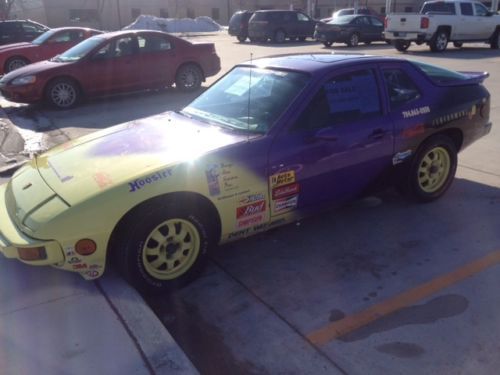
<point>174,25</point>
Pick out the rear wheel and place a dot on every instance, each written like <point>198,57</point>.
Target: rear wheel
<point>279,36</point>
<point>188,77</point>
<point>353,40</point>
<point>327,44</point>
<point>368,42</point>
<point>402,45</point>
<point>15,63</point>
<point>495,40</point>
<point>241,38</point>
<point>432,170</point>
<point>165,249</point>
<point>439,41</point>
<point>457,44</point>
<point>62,93</point>
<point>302,38</point>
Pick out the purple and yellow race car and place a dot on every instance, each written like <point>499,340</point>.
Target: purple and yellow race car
<point>273,140</point>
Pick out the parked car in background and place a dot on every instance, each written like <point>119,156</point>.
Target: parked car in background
<point>113,62</point>
<point>47,45</point>
<point>351,11</point>
<point>238,24</point>
<point>271,142</point>
<point>14,31</point>
<point>350,30</point>
<point>280,25</point>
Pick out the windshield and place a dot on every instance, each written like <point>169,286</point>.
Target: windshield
<point>248,98</point>
<point>80,50</point>
<point>42,38</point>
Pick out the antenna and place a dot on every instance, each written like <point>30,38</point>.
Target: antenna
<point>249,91</point>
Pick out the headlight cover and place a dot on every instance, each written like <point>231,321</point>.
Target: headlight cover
<point>26,80</point>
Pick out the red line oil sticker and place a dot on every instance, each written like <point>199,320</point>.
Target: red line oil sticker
<point>285,204</point>
<point>286,191</point>
<point>282,178</point>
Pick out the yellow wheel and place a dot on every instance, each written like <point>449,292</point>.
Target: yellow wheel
<point>160,247</point>
<point>431,171</point>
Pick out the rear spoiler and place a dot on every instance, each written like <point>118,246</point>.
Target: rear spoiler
<point>473,78</point>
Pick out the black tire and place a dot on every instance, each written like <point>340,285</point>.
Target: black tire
<point>241,38</point>
<point>164,250</point>
<point>495,40</point>
<point>353,40</point>
<point>279,36</point>
<point>253,40</point>
<point>63,93</point>
<point>458,44</point>
<point>188,77</point>
<point>402,45</point>
<point>439,41</point>
<point>302,38</point>
<point>368,42</point>
<point>14,63</point>
<point>327,44</point>
<point>431,171</point>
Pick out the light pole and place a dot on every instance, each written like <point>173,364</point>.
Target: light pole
<point>119,14</point>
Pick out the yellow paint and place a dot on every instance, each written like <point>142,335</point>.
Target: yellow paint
<point>408,298</point>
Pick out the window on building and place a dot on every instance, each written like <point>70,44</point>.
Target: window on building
<point>163,13</point>
<point>408,9</point>
<point>83,15</point>
<point>382,10</point>
<point>215,13</point>
<point>136,12</point>
<point>190,13</point>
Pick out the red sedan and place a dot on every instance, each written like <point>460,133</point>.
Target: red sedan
<point>47,45</point>
<point>113,62</point>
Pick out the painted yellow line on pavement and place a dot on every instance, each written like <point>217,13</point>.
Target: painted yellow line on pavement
<point>405,299</point>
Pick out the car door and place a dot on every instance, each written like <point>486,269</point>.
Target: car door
<point>376,28</point>
<point>114,66</point>
<point>468,22</point>
<point>157,59</point>
<point>338,145</point>
<point>305,25</point>
<point>484,22</point>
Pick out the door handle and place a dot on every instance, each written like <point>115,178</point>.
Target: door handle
<point>378,134</point>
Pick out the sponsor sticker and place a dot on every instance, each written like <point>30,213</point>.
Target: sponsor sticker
<point>416,112</point>
<point>250,198</point>
<point>74,260</point>
<point>92,273</point>
<point>286,204</point>
<point>282,178</point>
<point>286,190</point>
<point>250,209</point>
<point>141,182</point>
<point>249,221</point>
<point>103,180</point>
<point>80,266</point>
<point>401,157</point>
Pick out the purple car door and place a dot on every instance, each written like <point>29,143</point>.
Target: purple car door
<point>336,147</point>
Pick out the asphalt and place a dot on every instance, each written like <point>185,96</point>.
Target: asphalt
<point>54,322</point>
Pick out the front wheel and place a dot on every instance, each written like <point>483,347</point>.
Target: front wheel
<point>495,40</point>
<point>189,78</point>
<point>279,36</point>
<point>327,44</point>
<point>165,249</point>
<point>241,38</point>
<point>402,45</point>
<point>439,42</point>
<point>432,170</point>
<point>15,63</point>
<point>353,40</point>
<point>62,93</point>
<point>458,44</point>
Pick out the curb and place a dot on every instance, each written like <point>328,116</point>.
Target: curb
<point>160,352</point>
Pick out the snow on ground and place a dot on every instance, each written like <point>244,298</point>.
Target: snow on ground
<point>175,25</point>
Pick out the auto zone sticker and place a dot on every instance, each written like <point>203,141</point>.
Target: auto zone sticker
<point>282,178</point>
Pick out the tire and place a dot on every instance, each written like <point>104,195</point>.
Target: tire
<point>327,44</point>
<point>164,250</point>
<point>279,36</point>
<point>241,38</point>
<point>458,44</point>
<point>368,42</point>
<point>439,41</point>
<point>253,40</point>
<point>62,93</point>
<point>402,45</point>
<point>188,77</point>
<point>302,38</point>
<point>431,170</point>
<point>353,40</point>
<point>15,63</point>
<point>495,40</point>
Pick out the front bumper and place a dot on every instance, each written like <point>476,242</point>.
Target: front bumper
<point>21,94</point>
<point>12,238</point>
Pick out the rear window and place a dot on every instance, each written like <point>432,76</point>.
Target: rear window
<point>439,7</point>
<point>438,74</point>
<point>235,19</point>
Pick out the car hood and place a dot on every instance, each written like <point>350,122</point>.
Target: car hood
<point>87,166</point>
<point>35,68</point>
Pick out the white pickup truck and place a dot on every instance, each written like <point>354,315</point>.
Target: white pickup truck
<point>440,22</point>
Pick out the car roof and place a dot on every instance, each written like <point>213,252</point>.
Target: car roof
<point>74,28</point>
<point>314,63</point>
<point>112,34</point>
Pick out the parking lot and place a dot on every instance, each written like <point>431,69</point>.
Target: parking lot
<point>380,286</point>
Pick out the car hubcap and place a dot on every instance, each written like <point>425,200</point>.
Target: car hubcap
<point>171,249</point>
<point>354,40</point>
<point>16,64</point>
<point>63,94</point>
<point>434,170</point>
<point>189,78</point>
<point>442,40</point>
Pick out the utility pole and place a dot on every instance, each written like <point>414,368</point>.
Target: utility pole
<point>119,14</point>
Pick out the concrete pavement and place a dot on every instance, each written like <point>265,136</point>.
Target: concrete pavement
<point>54,322</point>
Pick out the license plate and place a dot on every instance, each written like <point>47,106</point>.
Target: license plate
<point>399,34</point>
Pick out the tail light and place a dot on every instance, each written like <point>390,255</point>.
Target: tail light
<point>32,253</point>
<point>424,23</point>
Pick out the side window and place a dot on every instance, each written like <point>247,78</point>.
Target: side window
<point>400,87</point>
<point>481,10</point>
<point>30,28</point>
<point>466,9</point>
<point>302,17</point>
<point>347,98</point>
<point>153,43</point>
<point>62,37</point>
<point>124,47</point>
<point>376,22</point>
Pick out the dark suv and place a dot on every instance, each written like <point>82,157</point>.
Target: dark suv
<point>279,25</point>
<point>238,24</point>
<point>14,31</point>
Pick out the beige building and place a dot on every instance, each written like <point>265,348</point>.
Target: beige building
<point>114,14</point>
